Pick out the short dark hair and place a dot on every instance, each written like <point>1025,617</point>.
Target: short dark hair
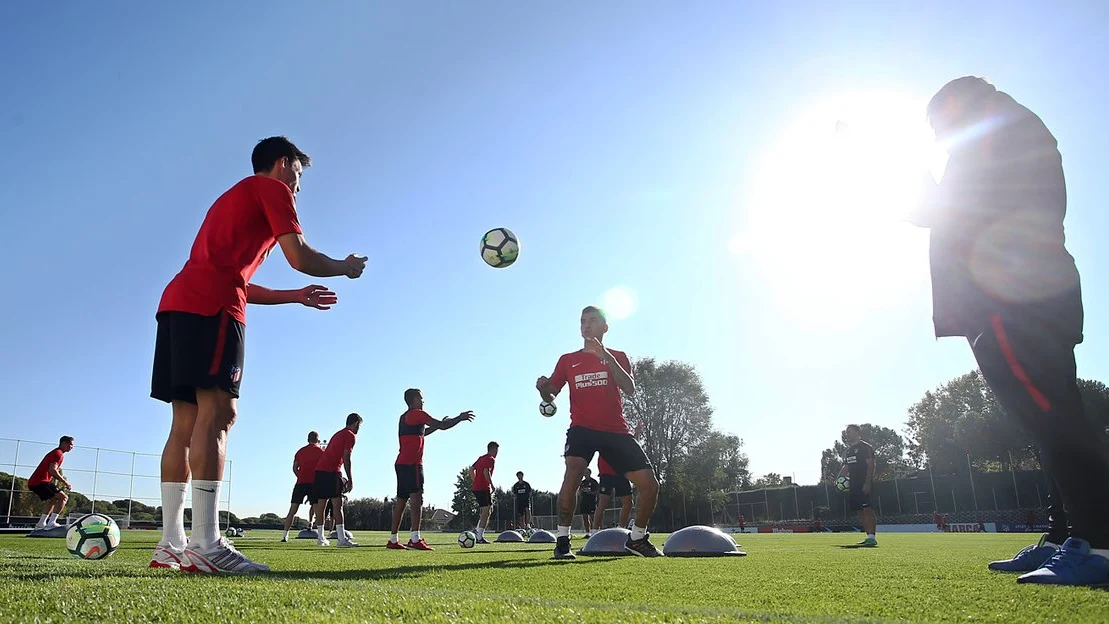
<point>519,473</point>
<point>64,439</point>
<point>855,427</point>
<point>410,396</point>
<point>594,309</point>
<point>313,437</point>
<point>491,446</point>
<point>973,88</point>
<point>272,149</point>
<point>353,418</point>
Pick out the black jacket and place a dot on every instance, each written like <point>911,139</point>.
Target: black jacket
<point>997,244</point>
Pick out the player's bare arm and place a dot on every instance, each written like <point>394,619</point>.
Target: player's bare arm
<point>442,425</point>
<point>623,378</point>
<point>304,258</point>
<point>350,476</point>
<point>843,471</point>
<point>57,474</point>
<point>314,296</point>
<point>296,468</point>
<point>489,478</point>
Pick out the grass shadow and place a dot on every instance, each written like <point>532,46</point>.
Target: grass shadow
<point>410,571</point>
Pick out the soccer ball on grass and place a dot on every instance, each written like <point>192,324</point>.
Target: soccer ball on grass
<point>467,539</point>
<point>93,536</point>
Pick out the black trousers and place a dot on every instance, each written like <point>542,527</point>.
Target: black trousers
<point>1030,368</point>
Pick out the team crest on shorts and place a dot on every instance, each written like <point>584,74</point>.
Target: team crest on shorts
<point>236,374</point>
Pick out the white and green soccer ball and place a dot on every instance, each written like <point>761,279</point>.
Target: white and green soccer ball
<point>843,484</point>
<point>499,248</point>
<point>92,536</point>
<point>547,408</point>
<point>467,539</point>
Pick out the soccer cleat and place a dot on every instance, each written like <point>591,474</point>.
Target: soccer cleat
<point>347,543</point>
<point>285,538</point>
<point>323,542</point>
<point>169,558</point>
<point>642,547</point>
<point>222,558</point>
<point>482,540</point>
<point>420,544</point>
<point>562,548</point>
<point>1073,564</point>
<point>391,545</point>
<point>1028,559</point>
<point>869,542</point>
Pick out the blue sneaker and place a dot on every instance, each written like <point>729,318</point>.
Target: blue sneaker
<point>1072,565</point>
<point>1028,559</point>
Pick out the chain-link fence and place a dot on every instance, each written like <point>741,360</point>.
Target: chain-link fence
<point>121,484</point>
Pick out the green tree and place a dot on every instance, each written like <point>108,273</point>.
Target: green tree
<point>770,479</point>
<point>463,503</point>
<point>889,453</point>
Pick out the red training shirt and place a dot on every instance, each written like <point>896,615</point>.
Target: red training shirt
<point>594,397</point>
<point>480,482</point>
<point>306,460</point>
<point>238,233</point>
<point>411,431</point>
<point>42,473</point>
<point>331,460</point>
<point>603,469</point>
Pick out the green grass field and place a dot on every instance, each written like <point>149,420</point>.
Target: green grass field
<point>792,578</point>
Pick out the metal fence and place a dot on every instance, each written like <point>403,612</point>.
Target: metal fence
<point>104,476</point>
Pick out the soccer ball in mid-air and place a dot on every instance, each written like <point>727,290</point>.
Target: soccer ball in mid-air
<point>547,409</point>
<point>93,536</point>
<point>843,484</point>
<point>499,248</point>
<point>467,539</point>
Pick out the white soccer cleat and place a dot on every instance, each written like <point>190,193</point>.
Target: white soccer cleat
<point>170,558</point>
<point>222,558</point>
<point>323,542</point>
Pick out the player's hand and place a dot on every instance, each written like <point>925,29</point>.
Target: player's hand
<point>595,347</point>
<point>316,296</point>
<point>348,486</point>
<point>543,384</point>
<point>866,488</point>
<point>468,416</point>
<point>354,265</point>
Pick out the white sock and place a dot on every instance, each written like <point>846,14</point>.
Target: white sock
<point>415,536</point>
<point>340,532</point>
<point>286,536</point>
<point>52,519</point>
<point>480,532</point>
<point>563,531</point>
<point>638,532</point>
<point>173,515</point>
<point>321,533</point>
<point>393,538</point>
<point>42,521</point>
<point>205,513</point>
<point>869,536</point>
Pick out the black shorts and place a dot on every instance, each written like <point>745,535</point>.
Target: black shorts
<point>484,497</point>
<point>615,484</point>
<point>410,480</point>
<point>522,505</point>
<point>45,491</point>
<point>587,506</point>
<point>856,500</point>
<point>193,351</point>
<point>302,492</point>
<point>328,485</point>
<point>620,450</point>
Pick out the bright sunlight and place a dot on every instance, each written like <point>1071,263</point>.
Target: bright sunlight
<point>825,219</point>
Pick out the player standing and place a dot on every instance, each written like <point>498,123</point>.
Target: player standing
<point>481,473</point>
<point>199,352</point>
<point>1003,280</point>
<point>415,424</point>
<point>522,490</point>
<point>587,500</point>
<point>859,466</point>
<point>329,485</point>
<point>597,376</point>
<point>44,483</point>
<point>612,484</point>
<point>304,467</point>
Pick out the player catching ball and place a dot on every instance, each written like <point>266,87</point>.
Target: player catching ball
<point>200,344</point>
<point>597,376</point>
<point>415,424</point>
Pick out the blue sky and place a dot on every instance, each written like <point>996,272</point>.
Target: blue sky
<point>679,153</point>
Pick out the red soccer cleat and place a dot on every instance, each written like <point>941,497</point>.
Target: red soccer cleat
<point>391,545</point>
<point>420,545</point>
